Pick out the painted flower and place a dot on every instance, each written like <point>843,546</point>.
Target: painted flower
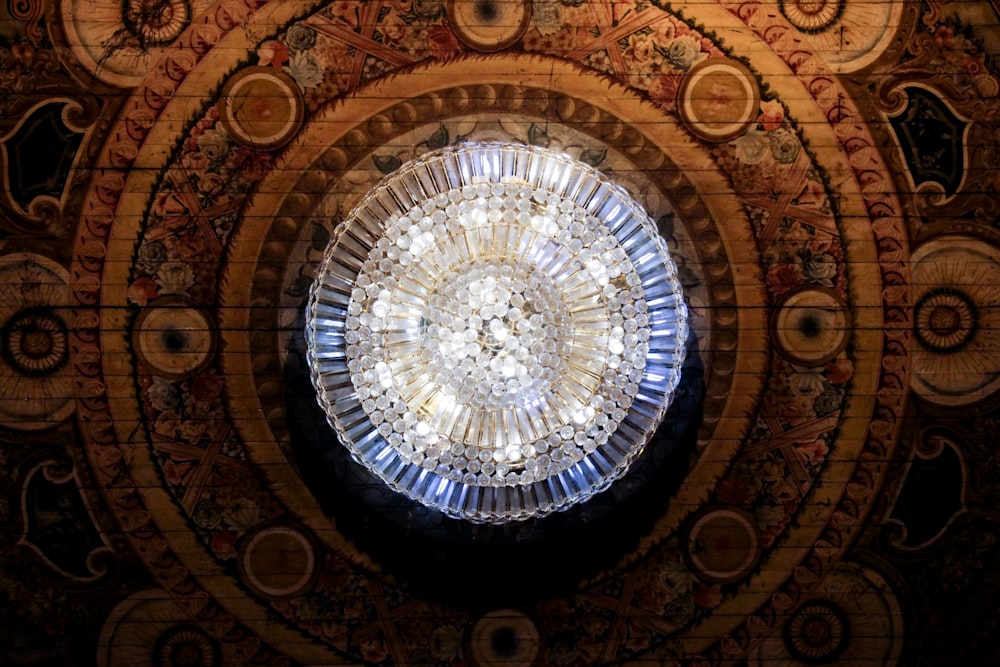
<point>677,577</point>
<point>819,268</point>
<point>211,183</point>
<point>207,514</point>
<point>346,12</point>
<point>175,472</point>
<point>393,32</point>
<point>272,53</point>
<point>300,37</point>
<point>663,90</point>
<point>206,387</point>
<point>707,597</point>
<point>214,144</point>
<point>374,650</point>
<point>446,642</point>
<point>769,515</point>
<point>640,48</point>
<point>548,17</point>
<point>563,647</point>
<point>651,593</point>
<point>175,278</point>
<point>681,610</point>
<point>752,147</point>
<point>443,42</point>
<point>944,35</point>
<point>223,544</point>
<point>256,166</point>
<point>150,256</point>
<point>195,161</point>
<point>814,451</point>
<point>166,204</point>
<point>784,146</point>
<point>305,69</point>
<point>664,32</point>
<point>772,115</point>
<point>839,371</point>
<point>684,52</point>
<point>163,395</point>
<point>809,383</point>
<point>827,403</point>
<point>242,514</point>
<point>23,52</point>
<point>987,85</point>
<point>784,277</point>
<point>428,10</point>
<point>173,426</point>
<point>733,491</point>
<point>329,627</point>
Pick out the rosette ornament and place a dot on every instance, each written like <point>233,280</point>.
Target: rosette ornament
<point>496,331</point>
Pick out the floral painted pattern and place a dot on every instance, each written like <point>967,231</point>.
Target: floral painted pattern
<point>191,220</point>
<point>764,162</point>
<point>194,211</point>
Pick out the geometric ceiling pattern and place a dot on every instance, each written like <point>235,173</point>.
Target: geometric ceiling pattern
<point>822,490</point>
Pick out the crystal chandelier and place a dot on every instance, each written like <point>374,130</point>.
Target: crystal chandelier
<point>496,331</point>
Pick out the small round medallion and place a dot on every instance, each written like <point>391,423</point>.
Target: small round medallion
<point>504,638</point>
<point>723,545</point>
<point>718,99</point>
<point>489,25</point>
<point>173,340</point>
<point>261,108</point>
<point>278,561</point>
<point>811,326</point>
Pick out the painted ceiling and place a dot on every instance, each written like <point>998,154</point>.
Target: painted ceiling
<point>823,489</point>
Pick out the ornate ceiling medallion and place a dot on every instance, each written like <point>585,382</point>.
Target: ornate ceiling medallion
<point>496,331</point>
<point>811,15</point>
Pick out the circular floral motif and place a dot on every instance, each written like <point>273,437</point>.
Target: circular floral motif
<point>35,342</point>
<point>186,646</point>
<point>156,22</point>
<point>36,387</point>
<point>496,332</point>
<point>852,618</point>
<point>955,281</point>
<point>818,632</point>
<point>945,320</point>
<point>812,15</point>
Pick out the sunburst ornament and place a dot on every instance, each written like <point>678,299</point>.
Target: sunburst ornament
<point>496,331</point>
<point>812,15</point>
<point>956,328</point>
